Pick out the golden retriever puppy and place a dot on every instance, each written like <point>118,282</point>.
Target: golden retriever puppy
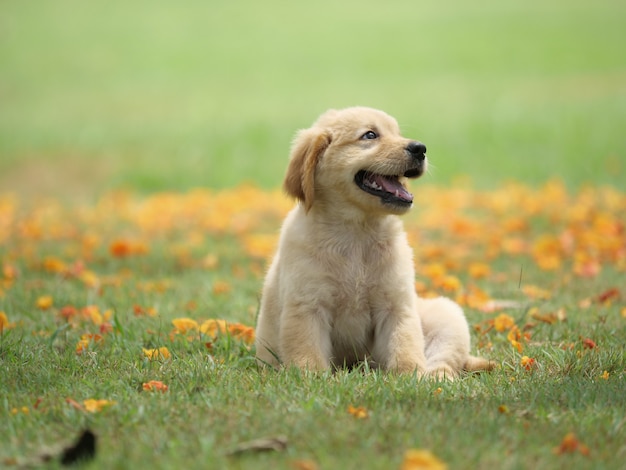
<point>340,289</point>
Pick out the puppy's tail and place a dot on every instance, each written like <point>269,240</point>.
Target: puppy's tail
<point>477,364</point>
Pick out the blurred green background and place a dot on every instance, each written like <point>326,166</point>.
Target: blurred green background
<point>155,95</point>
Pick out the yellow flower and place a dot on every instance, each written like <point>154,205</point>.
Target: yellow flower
<point>415,459</point>
<point>214,327</point>
<point>183,325</point>
<point>221,287</point>
<point>503,322</point>
<point>94,406</point>
<point>44,302</point>
<point>160,353</point>
<point>4,322</point>
<point>358,412</point>
<point>605,375</point>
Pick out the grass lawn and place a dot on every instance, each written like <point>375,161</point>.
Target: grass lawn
<point>90,293</point>
<point>128,134</point>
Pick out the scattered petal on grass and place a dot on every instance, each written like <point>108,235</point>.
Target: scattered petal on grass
<point>23,410</point>
<point>417,459</point>
<point>549,318</point>
<point>221,287</point>
<point>94,406</point>
<point>184,325</point>
<point>5,324</point>
<point>122,248</point>
<point>155,386</point>
<point>161,353</point>
<point>528,363</point>
<point>260,245</point>
<point>479,270</point>
<point>605,375</point>
<point>589,343</point>
<point>570,444</point>
<point>358,412</point>
<point>139,311</point>
<point>85,341</point>
<point>514,336</point>
<point>44,302</point>
<point>535,292</point>
<point>214,328</point>
<point>75,404</point>
<point>304,465</point>
<point>608,296</point>
<point>503,322</point>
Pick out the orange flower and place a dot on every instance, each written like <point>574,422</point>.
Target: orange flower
<point>415,459</point>
<point>571,444</point>
<point>605,375</point>
<point>514,337</point>
<point>503,322</point>
<point>155,386</point>
<point>9,272</point>
<point>85,341</point>
<point>221,287</point>
<point>448,283</point>
<point>159,353</point>
<point>122,248</point>
<point>138,311</point>
<point>479,270</point>
<point>242,332</point>
<point>358,412</point>
<point>528,363</point>
<point>54,265</point>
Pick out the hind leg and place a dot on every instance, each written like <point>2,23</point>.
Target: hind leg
<point>447,339</point>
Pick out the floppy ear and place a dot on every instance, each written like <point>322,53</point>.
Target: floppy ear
<point>308,147</point>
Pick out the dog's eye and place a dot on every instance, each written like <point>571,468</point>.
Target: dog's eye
<point>369,135</point>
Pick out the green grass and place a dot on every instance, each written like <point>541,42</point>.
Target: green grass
<point>217,398</point>
<point>154,96</point>
<point>161,98</point>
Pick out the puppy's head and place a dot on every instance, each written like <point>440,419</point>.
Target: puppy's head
<point>355,156</point>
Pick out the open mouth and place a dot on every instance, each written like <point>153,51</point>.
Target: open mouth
<point>387,188</point>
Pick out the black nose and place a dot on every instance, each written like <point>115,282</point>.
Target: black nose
<point>417,150</point>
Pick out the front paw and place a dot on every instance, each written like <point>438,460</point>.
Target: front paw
<point>441,373</point>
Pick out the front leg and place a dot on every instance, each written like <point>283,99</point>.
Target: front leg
<point>305,338</point>
<point>399,343</point>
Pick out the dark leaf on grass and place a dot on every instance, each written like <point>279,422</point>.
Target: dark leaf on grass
<point>84,449</point>
<point>277,443</point>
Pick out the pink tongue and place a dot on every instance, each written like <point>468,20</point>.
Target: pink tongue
<point>393,186</point>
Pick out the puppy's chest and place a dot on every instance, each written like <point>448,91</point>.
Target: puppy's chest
<point>359,282</point>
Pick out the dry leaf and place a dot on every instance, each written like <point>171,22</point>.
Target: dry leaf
<point>278,443</point>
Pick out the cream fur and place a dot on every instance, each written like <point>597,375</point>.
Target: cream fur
<point>340,289</point>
